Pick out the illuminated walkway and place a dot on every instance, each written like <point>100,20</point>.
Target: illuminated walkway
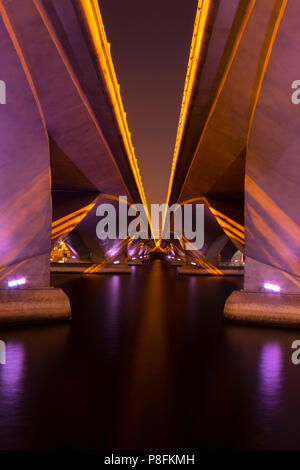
<point>159,370</point>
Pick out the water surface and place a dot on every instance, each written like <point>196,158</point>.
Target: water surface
<point>145,363</point>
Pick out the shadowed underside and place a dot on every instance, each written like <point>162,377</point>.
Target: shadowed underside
<point>237,149</point>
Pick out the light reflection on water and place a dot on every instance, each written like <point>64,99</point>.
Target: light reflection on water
<point>192,301</point>
<point>11,374</point>
<point>113,313</point>
<point>270,376</point>
<point>147,362</point>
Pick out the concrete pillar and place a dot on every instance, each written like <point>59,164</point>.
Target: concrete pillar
<point>25,211</point>
<point>272,197</point>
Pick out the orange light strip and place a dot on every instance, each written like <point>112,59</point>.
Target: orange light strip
<point>209,267</point>
<point>95,268</point>
<point>195,54</point>
<point>243,26</point>
<point>240,228</point>
<point>69,217</point>
<point>69,222</point>
<point>233,236</point>
<point>229,227</point>
<point>94,21</point>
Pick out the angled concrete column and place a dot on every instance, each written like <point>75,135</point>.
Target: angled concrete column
<point>25,215</point>
<point>272,218</point>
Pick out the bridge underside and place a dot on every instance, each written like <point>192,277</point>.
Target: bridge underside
<point>65,148</point>
<point>237,148</point>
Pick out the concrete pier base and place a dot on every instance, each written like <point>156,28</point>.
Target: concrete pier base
<point>263,308</point>
<point>135,263</point>
<point>33,305</point>
<point>177,263</point>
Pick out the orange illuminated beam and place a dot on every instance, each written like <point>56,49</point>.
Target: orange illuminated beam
<point>209,267</point>
<point>94,21</point>
<point>195,54</point>
<point>96,268</point>
<point>69,222</point>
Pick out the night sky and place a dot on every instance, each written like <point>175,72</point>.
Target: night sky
<point>150,44</point>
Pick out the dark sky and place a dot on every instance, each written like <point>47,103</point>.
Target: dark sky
<point>150,44</point>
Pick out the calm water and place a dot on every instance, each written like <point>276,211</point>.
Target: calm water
<point>147,363</point>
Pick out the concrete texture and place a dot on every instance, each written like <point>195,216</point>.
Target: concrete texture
<point>217,169</point>
<point>257,273</point>
<point>25,202</point>
<point>263,308</point>
<point>62,150</point>
<point>240,147</point>
<point>272,196</point>
<point>33,305</point>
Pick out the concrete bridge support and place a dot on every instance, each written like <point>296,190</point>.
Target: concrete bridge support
<point>272,198</point>
<point>25,195</point>
<point>65,145</point>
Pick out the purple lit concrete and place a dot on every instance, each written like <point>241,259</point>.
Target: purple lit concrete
<point>272,217</point>
<point>33,305</point>
<point>60,146</point>
<point>241,143</point>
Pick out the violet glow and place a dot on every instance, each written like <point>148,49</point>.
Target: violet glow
<point>270,373</point>
<point>17,282</point>
<point>272,287</point>
<point>11,375</point>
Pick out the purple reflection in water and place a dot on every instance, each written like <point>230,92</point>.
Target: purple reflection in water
<point>11,374</point>
<point>113,313</point>
<point>115,294</point>
<point>270,375</point>
<point>193,307</point>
